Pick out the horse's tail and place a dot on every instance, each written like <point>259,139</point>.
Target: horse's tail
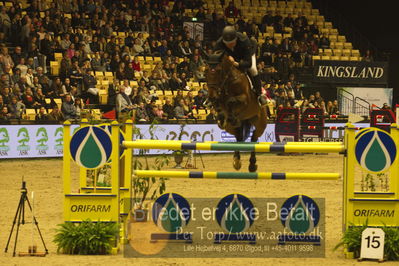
<point>245,129</point>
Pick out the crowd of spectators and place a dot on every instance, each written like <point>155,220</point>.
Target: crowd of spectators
<point>85,32</point>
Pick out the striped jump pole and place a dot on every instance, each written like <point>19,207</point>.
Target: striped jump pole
<point>331,147</point>
<point>327,116</point>
<point>229,143</point>
<point>330,128</point>
<point>236,175</point>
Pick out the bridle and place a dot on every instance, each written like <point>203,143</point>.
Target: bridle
<point>226,75</point>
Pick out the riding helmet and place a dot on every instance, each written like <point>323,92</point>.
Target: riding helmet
<point>229,34</point>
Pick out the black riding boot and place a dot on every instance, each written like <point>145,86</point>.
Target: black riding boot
<point>258,90</point>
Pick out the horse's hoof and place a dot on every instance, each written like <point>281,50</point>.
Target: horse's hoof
<point>253,167</point>
<point>237,164</point>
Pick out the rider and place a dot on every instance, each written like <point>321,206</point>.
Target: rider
<point>241,54</point>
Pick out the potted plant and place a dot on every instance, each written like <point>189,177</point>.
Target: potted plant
<point>86,238</point>
<point>178,155</point>
<point>146,189</point>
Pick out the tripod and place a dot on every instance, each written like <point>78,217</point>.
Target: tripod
<point>20,219</point>
<point>194,152</point>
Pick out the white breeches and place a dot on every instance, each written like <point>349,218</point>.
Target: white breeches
<point>253,70</point>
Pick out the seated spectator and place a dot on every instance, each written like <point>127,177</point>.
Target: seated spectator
<point>5,116</point>
<point>176,99</point>
<point>280,99</point>
<point>135,96</point>
<point>56,114</point>
<point>298,91</point>
<point>123,102</point>
<point>195,63</point>
<point>22,66</point>
<point>41,115</point>
<point>79,106</point>
<point>16,76</point>
<point>76,74</point>
<point>188,108</point>
<point>175,83</point>
<point>160,113</point>
<point>312,101</point>
<point>323,107</point>
<point>5,81</point>
<point>296,57</point>
<point>318,98</point>
<point>305,105</point>
<point>367,57</point>
<point>291,99</point>
<point>231,11</point>
<point>17,55</point>
<point>184,48</point>
<point>67,86</point>
<point>179,112</point>
<point>7,95</point>
<point>16,108</point>
<point>97,62</point>
<point>89,87</point>
<point>184,79</point>
<point>129,40</point>
<point>29,100</point>
<point>5,58</point>
<point>145,79</point>
<point>40,97</point>
<point>71,51</point>
<point>65,42</point>
<point>211,118</point>
<point>385,106</point>
<point>141,113</point>
<point>138,47</point>
<point>334,110</point>
<point>199,74</point>
<point>126,85</point>
<point>324,42</point>
<point>136,65</point>
<point>168,108</point>
<point>121,72</point>
<point>29,77</point>
<point>155,113</point>
<point>68,109</point>
<point>58,88</point>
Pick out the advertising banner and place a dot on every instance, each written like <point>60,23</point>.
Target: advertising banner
<point>350,72</point>
<point>31,141</point>
<point>35,141</point>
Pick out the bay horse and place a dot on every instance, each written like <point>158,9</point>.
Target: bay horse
<point>236,105</point>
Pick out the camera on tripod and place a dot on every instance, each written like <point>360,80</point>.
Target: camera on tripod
<point>19,219</point>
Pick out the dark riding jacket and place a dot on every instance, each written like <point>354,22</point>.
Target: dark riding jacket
<point>242,52</point>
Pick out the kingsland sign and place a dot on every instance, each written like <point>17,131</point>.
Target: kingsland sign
<point>351,72</point>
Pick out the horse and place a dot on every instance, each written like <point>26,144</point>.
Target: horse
<point>236,105</point>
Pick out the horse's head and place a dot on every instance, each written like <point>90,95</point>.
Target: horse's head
<point>213,70</point>
<point>216,65</point>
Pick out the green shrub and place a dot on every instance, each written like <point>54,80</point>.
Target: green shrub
<point>86,238</point>
<point>352,239</point>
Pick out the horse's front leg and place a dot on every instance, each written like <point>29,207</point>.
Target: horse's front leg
<point>252,160</point>
<point>237,156</point>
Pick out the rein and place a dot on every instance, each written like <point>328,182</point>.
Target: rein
<point>227,76</point>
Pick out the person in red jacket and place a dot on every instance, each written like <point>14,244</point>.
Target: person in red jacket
<point>231,11</point>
